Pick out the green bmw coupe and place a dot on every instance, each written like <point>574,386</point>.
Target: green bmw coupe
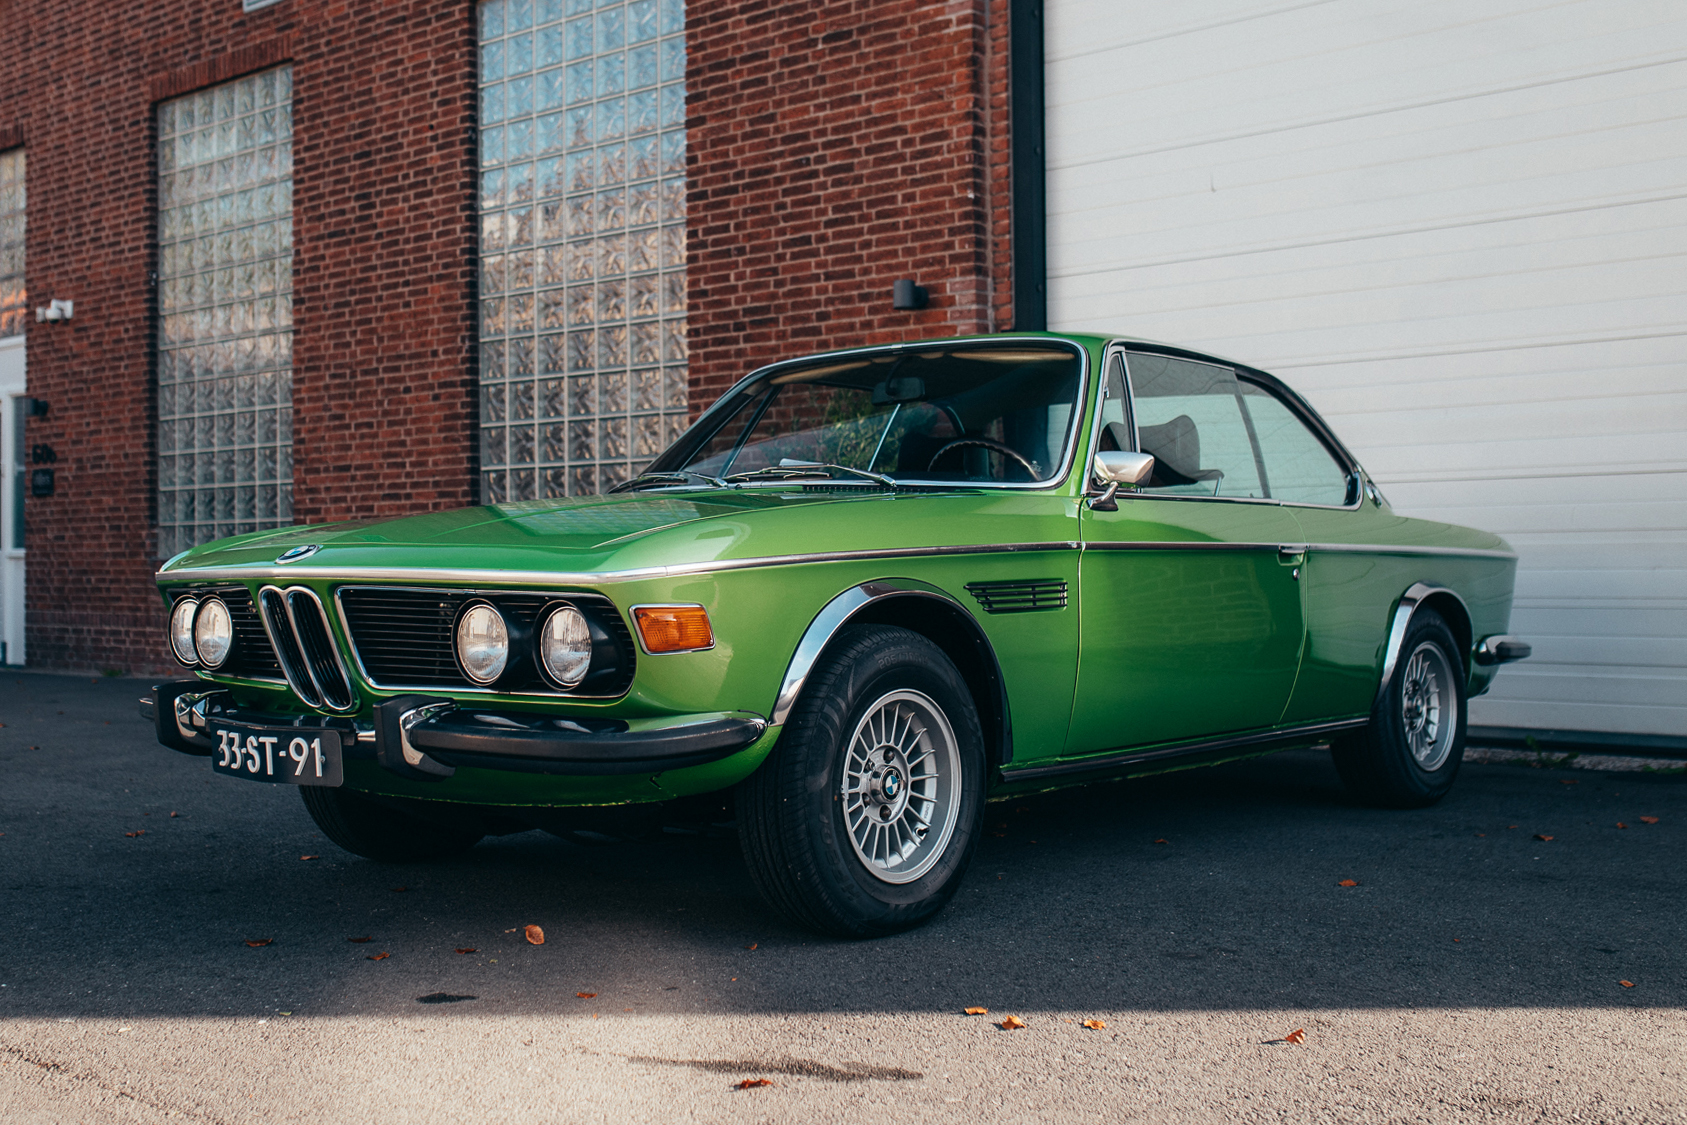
<point>867,592</point>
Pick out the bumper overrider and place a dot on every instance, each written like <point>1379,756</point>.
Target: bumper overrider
<point>429,737</point>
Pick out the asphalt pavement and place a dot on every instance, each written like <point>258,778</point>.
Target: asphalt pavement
<point>179,946</point>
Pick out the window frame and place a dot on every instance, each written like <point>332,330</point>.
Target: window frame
<point>1058,478</point>
<point>1266,382</point>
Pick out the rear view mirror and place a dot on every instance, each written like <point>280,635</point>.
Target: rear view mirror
<point>899,388</point>
<point>1116,468</point>
<point>1123,468</point>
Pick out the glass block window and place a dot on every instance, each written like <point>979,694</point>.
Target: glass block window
<point>583,332</point>
<point>14,302</point>
<point>225,311</point>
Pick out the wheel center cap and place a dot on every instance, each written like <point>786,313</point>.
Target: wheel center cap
<point>891,784</point>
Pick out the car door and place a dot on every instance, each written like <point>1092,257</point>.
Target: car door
<point>1189,600</point>
<point>1349,589</point>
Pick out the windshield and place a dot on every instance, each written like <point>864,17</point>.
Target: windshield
<point>964,413</point>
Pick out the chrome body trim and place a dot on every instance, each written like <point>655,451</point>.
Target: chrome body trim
<point>305,690</point>
<point>333,646</point>
<point>832,617</point>
<point>322,699</point>
<point>192,712</point>
<point>413,757</point>
<point>638,634</point>
<point>455,577</point>
<point>1262,740</point>
<point>1073,436</point>
<point>469,688</point>
<point>1408,549</point>
<point>1270,384</point>
<point>1502,648</point>
<point>1403,611</point>
<point>448,576</point>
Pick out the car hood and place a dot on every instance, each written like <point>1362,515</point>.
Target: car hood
<point>575,535</point>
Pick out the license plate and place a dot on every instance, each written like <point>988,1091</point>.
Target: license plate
<point>285,755</point>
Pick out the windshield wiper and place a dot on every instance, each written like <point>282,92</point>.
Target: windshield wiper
<point>684,476</point>
<point>790,468</point>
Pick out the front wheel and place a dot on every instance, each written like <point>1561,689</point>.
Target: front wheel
<point>1409,756</point>
<point>863,819</point>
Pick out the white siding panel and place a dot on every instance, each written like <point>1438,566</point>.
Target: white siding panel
<point>1459,227</point>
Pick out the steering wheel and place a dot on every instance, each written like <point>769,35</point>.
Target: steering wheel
<point>984,443</point>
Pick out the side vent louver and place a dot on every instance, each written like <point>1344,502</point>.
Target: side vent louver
<point>1020,597</point>
<point>304,646</point>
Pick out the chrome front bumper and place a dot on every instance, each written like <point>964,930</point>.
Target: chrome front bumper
<point>429,738</point>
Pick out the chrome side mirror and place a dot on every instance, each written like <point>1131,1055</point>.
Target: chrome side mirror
<point>1118,468</point>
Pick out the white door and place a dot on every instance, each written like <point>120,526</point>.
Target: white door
<point>14,483</point>
<point>1459,228</point>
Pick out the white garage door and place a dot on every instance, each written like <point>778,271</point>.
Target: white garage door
<point>1459,227</point>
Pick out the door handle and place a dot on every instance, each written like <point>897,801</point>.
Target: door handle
<point>1291,554</point>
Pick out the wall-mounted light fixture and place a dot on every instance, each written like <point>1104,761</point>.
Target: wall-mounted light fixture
<point>55,310</point>
<point>33,407</point>
<point>906,295</point>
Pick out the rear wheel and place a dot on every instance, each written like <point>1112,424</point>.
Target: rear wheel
<point>1409,756</point>
<point>863,819</point>
<point>390,828</point>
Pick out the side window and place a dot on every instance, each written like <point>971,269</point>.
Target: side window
<point>1299,469</point>
<point>1115,432</point>
<point>1189,417</point>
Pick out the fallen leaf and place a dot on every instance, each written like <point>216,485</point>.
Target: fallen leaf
<point>977,1011</point>
<point>1569,783</point>
<point>1620,824</point>
<point>471,949</point>
<point>1626,983</point>
<point>1648,820</point>
<point>260,942</point>
<point>1298,1035</point>
<point>1348,883</point>
<point>586,995</point>
<point>286,1013</point>
<point>1096,1025</point>
<point>1511,826</point>
<point>137,832</point>
<point>1011,1023</point>
<point>752,945</point>
<point>377,957</point>
<point>399,890</point>
<point>1162,840</point>
<point>1538,836</point>
<point>310,857</point>
<point>359,940</point>
<point>512,929</point>
<point>1480,834</point>
<point>175,814</point>
<point>752,1083</point>
<point>1455,939</point>
<point>535,936</point>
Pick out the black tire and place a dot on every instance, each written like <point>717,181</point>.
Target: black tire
<point>792,813</point>
<point>1378,764</point>
<point>387,828</point>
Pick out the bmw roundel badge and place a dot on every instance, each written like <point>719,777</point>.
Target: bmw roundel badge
<point>297,553</point>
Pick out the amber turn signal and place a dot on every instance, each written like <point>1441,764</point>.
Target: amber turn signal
<point>673,628</point>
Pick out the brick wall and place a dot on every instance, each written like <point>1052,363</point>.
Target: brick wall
<point>835,147</point>
<point>383,284</point>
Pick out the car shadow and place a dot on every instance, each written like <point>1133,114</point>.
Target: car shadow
<point>1252,885</point>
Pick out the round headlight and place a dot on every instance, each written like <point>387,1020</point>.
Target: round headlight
<point>483,643</point>
<point>213,632</point>
<point>565,646</point>
<point>181,630</point>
